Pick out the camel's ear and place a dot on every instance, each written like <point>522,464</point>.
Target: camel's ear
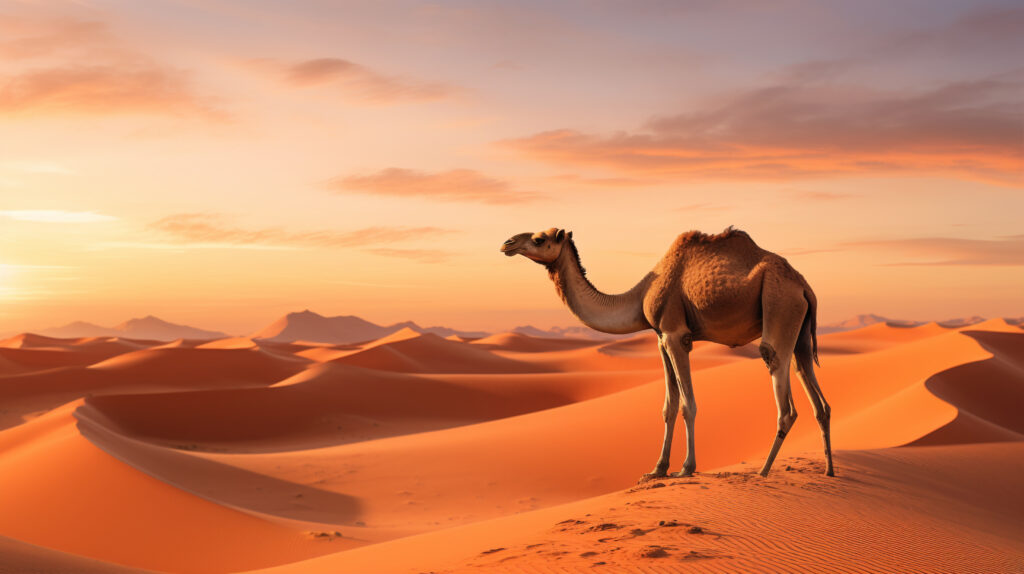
<point>569,235</point>
<point>560,236</point>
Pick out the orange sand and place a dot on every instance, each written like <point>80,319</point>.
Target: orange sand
<point>417,453</point>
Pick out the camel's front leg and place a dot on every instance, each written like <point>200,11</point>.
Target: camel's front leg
<point>669,413</point>
<point>677,347</point>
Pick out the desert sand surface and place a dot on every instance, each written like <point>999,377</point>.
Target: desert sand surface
<point>510,453</point>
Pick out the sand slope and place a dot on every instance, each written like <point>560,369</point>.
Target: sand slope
<point>914,509</point>
<point>336,403</point>
<point>527,344</point>
<point>429,353</point>
<point>429,454</point>
<point>24,558</point>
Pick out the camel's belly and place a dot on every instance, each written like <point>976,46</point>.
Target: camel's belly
<point>725,297</point>
<point>735,333</point>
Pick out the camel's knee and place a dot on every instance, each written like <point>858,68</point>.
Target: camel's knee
<point>689,411</point>
<point>686,341</point>
<point>786,420</point>
<point>683,340</point>
<point>670,409</point>
<point>771,358</point>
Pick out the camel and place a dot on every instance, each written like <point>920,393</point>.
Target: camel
<point>721,288</point>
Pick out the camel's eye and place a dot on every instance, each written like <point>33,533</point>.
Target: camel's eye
<point>538,241</point>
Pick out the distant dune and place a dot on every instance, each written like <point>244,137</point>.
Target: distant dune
<point>527,344</point>
<point>571,332</point>
<point>411,452</point>
<point>861,321</point>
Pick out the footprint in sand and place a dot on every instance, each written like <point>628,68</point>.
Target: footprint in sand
<point>653,551</point>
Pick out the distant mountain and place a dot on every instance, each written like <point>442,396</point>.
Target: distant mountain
<point>148,327</point>
<point>573,332</point>
<point>151,327</point>
<point>79,329</point>
<point>962,322</point>
<point>341,330</point>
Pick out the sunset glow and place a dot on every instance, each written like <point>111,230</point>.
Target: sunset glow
<point>220,164</point>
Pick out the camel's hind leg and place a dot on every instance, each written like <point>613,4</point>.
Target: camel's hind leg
<point>804,360</point>
<point>784,308</point>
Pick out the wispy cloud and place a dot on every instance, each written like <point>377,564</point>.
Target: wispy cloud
<point>453,185</point>
<point>56,216</point>
<point>211,229</point>
<point>360,82</point>
<point>971,129</point>
<point>78,67</point>
<point>950,251</point>
<point>118,89</point>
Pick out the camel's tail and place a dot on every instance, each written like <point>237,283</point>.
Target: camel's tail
<point>809,329</point>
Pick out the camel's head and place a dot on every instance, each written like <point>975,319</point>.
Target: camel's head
<point>542,247</point>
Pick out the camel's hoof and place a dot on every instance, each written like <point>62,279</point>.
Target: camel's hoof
<point>649,476</point>
<point>830,472</point>
<point>682,474</point>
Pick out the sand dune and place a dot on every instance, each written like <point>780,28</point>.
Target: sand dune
<point>110,511</point>
<point>905,510</point>
<point>327,353</point>
<point>426,453</point>
<point>42,382</point>
<point>229,343</point>
<point>429,353</point>
<point>526,344</point>
<point>335,404</point>
<point>182,366</point>
<point>24,558</point>
<point>35,352</point>
<point>30,340</point>
<point>585,455</point>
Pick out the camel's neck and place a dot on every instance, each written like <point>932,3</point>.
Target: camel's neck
<point>622,313</point>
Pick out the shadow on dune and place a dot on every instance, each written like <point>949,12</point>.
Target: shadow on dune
<point>219,483</point>
<point>987,394</point>
<point>326,405</point>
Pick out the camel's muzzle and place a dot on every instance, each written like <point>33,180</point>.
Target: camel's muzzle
<point>509,248</point>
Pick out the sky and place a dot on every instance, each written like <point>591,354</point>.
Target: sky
<point>221,163</point>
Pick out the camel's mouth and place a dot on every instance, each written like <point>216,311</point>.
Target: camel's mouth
<point>509,248</point>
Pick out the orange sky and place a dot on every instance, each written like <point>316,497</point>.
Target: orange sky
<point>222,163</point>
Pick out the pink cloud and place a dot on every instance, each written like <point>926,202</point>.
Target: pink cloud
<point>453,185</point>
